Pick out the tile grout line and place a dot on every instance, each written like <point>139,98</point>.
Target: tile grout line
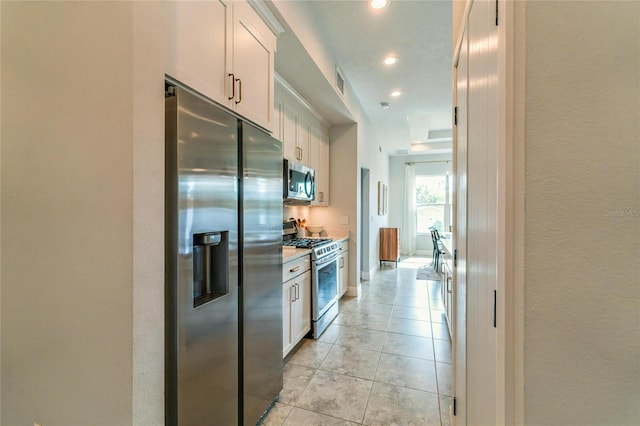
<point>374,378</point>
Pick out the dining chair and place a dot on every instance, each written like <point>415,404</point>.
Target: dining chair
<point>437,248</point>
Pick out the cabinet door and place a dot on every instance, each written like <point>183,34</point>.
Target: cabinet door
<point>319,148</point>
<point>253,67</point>
<point>303,141</point>
<point>289,133</point>
<point>343,273</point>
<point>197,48</point>
<point>302,307</point>
<point>287,301</point>
<point>278,117</point>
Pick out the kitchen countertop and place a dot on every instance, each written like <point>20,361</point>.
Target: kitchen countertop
<point>289,254</point>
<point>339,239</point>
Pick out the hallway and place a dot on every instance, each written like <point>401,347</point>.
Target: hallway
<point>386,359</point>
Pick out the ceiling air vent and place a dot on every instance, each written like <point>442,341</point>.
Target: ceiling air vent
<point>402,152</point>
<point>339,81</point>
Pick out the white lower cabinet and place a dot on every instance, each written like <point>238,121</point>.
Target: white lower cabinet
<point>296,303</point>
<point>343,267</point>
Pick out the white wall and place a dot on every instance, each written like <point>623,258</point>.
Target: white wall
<point>148,215</point>
<point>82,214</point>
<point>343,198</point>
<point>581,223</point>
<point>371,156</point>
<point>396,189</point>
<point>352,146</point>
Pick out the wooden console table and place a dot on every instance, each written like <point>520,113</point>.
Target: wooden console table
<point>389,245</point>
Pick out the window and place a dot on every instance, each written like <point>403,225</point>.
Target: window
<point>433,204</point>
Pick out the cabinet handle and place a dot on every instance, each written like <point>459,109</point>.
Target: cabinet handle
<point>342,262</point>
<point>239,90</point>
<point>448,284</point>
<point>294,269</point>
<point>321,196</point>
<point>297,291</point>
<point>292,298</point>
<point>233,86</point>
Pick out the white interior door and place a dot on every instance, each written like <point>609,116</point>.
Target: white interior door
<point>460,243</point>
<point>482,190</point>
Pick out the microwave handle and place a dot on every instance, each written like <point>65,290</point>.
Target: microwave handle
<point>307,188</point>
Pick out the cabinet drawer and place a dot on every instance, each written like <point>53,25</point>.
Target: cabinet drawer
<point>295,267</point>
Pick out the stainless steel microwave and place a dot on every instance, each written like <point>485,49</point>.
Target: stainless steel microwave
<point>298,182</point>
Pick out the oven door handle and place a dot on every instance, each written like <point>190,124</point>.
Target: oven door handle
<point>327,259</point>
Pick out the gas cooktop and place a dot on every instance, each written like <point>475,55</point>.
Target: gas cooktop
<point>306,242</point>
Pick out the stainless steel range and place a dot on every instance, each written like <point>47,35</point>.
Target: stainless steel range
<point>324,286</point>
<point>324,280</point>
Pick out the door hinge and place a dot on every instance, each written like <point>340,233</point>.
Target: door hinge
<point>455,116</point>
<point>455,399</point>
<point>169,90</point>
<point>495,299</point>
<point>496,13</point>
<point>455,258</point>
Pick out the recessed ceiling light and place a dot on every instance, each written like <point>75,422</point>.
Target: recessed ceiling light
<point>378,4</point>
<point>390,60</point>
<point>396,93</point>
<point>384,105</point>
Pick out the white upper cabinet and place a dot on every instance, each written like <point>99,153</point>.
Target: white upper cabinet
<point>224,50</point>
<point>289,132</point>
<point>304,135</point>
<point>278,117</point>
<point>320,162</point>
<point>303,141</point>
<point>197,45</point>
<point>253,66</point>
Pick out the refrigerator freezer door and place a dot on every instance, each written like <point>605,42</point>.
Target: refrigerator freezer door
<point>201,213</point>
<point>261,285</point>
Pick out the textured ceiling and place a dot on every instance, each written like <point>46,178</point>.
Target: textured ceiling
<point>419,33</point>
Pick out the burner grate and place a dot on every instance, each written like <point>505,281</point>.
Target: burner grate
<point>306,242</point>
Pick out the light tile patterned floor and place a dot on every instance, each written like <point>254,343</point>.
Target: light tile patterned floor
<point>385,360</point>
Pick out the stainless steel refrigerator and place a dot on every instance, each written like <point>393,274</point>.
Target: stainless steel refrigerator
<point>223,265</point>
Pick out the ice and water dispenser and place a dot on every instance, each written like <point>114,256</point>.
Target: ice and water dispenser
<point>210,266</point>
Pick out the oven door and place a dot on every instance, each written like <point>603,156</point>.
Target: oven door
<point>325,285</point>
